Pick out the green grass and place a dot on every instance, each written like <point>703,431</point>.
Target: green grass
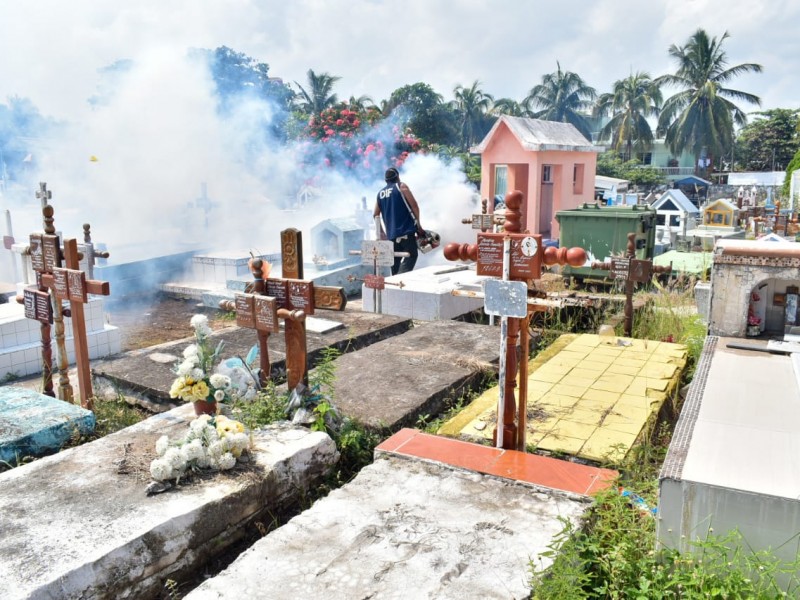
<point>612,553</point>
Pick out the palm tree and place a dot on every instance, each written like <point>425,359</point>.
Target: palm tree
<point>361,103</point>
<point>507,106</point>
<point>562,96</point>
<point>471,104</point>
<point>702,115</point>
<point>319,95</point>
<point>633,100</point>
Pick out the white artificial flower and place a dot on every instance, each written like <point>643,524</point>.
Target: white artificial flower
<point>198,424</point>
<point>220,381</point>
<point>193,451</point>
<point>219,395</point>
<point>241,441</point>
<point>190,351</point>
<point>216,449</point>
<point>199,321</point>
<point>162,444</point>
<point>160,470</point>
<point>174,458</point>
<point>226,461</point>
<point>197,374</point>
<point>185,367</point>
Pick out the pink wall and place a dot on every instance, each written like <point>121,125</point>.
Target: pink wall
<point>525,173</point>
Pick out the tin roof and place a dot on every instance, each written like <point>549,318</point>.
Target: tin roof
<point>536,135</point>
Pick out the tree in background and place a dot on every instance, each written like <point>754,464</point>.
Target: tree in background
<point>634,99</point>
<point>472,104</point>
<point>701,117</point>
<point>769,142</point>
<point>423,111</point>
<point>507,106</point>
<point>562,96</point>
<point>609,164</point>
<point>319,95</point>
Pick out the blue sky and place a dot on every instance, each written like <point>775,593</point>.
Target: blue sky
<point>52,49</point>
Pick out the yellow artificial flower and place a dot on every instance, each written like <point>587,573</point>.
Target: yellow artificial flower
<point>226,426</point>
<point>200,391</point>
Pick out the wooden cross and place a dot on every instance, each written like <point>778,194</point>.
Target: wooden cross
<point>61,284</point>
<point>289,298</point>
<point>631,270</point>
<point>517,257</point>
<point>204,201</point>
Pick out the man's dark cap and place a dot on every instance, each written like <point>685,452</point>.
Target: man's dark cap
<point>391,174</point>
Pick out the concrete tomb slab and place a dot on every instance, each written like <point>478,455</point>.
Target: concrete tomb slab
<point>404,529</point>
<point>32,424</point>
<point>137,371</point>
<point>732,461</point>
<point>394,381</point>
<point>78,524</point>
<point>426,294</point>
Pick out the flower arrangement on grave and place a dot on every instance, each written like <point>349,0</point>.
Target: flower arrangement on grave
<point>196,382</point>
<point>212,443</point>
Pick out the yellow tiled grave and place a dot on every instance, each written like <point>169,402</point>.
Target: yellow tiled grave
<point>588,396</point>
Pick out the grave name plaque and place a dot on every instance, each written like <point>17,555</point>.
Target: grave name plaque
<point>266,312</point>
<point>51,251</point>
<point>70,284</point>
<point>292,294</point>
<point>374,282</point>
<point>37,305</point>
<point>525,261</point>
<point>245,310</point>
<point>620,267</point>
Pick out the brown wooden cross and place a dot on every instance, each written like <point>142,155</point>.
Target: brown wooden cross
<point>62,284</point>
<point>288,297</point>
<point>631,270</point>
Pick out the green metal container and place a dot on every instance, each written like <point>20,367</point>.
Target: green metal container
<point>603,232</point>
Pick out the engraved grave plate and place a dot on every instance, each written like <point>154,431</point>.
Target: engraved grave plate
<point>266,312</point>
<point>620,268</point>
<point>51,252</point>
<point>277,288</point>
<point>291,253</point>
<point>60,284</point>
<point>641,270</point>
<point>301,296</point>
<point>37,305</point>
<point>77,285</point>
<point>245,314</point>
<point>37,256</point>
<point>377,252</point>
<point>490,255</point>
<point>482,221</point>
<point>374,282</point>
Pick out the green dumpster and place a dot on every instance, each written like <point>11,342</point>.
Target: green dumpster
<point>603,232</point>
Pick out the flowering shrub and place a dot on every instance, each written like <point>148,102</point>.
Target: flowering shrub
<point>196,380</point>
<point>211,443</point>
<point>357,141</point>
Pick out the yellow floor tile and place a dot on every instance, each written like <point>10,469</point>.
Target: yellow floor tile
<point>567,428</point>
<point>581,372</point>
<point>556,400</point>
<point>593,365</point>
<point>623,423</point>
<point>538,387</point>
<point>606,445</point>
<point>659,370</point>
<point>562,444</point>
<point>577,353</point>
<point>580,414</point>
<point>607,351</point>
<point>612,383</point>
<point>630,361</point>
<point>617,369</point>
<point>576,391</point>
<point>586,339</point>
<point>546,376</point>
<point>601,396</point>
<point>638,387</point>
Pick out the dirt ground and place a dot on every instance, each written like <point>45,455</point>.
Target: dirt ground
<point>154,320</point>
